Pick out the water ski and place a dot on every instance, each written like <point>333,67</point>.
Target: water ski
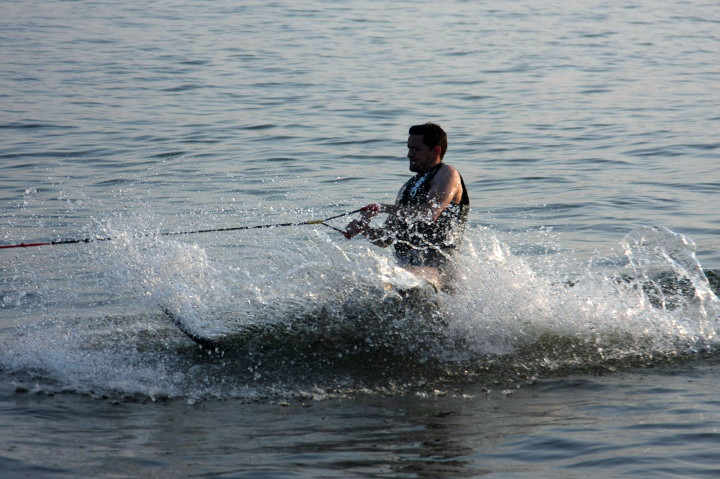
<point>206,343</point>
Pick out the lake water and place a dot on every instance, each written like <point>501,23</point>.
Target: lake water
<point>581,341</point>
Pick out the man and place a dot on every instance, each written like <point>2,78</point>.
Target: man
<point>426,221</point>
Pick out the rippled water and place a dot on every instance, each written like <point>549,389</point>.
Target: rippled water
<point>581,340</point>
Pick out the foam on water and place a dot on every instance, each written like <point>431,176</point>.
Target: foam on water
<point>311,313</point>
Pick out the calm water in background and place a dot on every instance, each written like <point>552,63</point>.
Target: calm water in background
<point>577,127</point>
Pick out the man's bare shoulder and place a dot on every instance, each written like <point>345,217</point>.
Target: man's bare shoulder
<point>446,187</point>
<point>447,174</point>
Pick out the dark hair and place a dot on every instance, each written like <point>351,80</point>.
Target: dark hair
<point>433,135</point>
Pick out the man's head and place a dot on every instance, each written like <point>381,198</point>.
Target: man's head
<point>433,135</point>
<point>426,146</point>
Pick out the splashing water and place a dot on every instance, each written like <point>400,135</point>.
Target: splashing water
<point>509,310</point>
<point>502,309</point>
<point>673,279</point>
<point>315,315</point>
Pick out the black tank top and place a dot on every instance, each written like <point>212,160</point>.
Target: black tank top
<point>423,243</point>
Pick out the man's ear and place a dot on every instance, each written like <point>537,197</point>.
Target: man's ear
<point>437,150</point>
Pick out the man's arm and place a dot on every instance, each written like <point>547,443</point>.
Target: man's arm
<point>446,188</point>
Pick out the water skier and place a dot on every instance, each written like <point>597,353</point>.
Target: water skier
<point>427,220</point>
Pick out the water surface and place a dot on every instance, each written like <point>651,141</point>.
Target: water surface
<point>582,338</point>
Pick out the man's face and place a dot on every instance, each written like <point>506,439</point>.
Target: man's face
<point>421,157</point>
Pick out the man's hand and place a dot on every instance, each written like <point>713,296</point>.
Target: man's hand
<point>374,207</point>
<point>356,227</point>
<point>371,210</point>
<point>378,236</point>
